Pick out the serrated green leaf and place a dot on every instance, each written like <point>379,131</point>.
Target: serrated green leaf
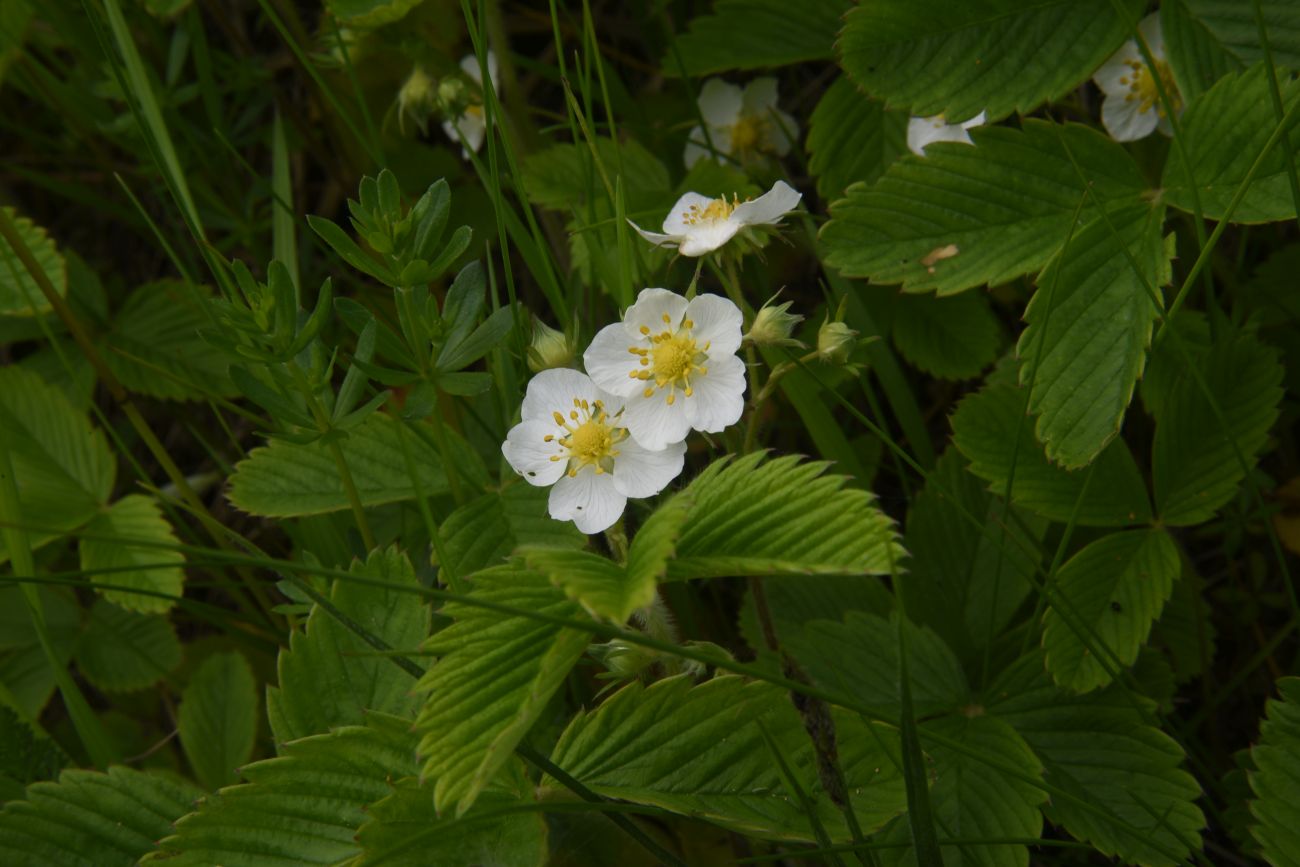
<point>19,294</point>
<point>304,807</point>
<point>858,656</point>
<point>697,750</point>
<point>284,479</point>
<point>123,651</point>
<point>1101,749</point>
<point>754,516</point>
<point>999,56</point>
<point>127,544</point>
<point>985,431</point>
<point>1196,55</point>
<point>972,800</point>
<point>62,464</point>
<point>117,816</point>
<point>1194,467</point>
<point>966,580</point>
<point>329,676</point>
<point>26,756</point>
<point>600,585</point>
<point>1110,593</point>
<point>794,601</point>
<point>1276,778</point>
<point>963,216</point>
<point>951,338</point>
<point>1224,131</point>
<point>1185,628</point>
<point>655,544</point>
<point>1089,325</point>
<point>1233,25</point>
<point>756,34</point>
<point>852,138</point>
<point>217,721</point>
<point>153,346</point>
<point>24,668</point>
<point>485,531</point>
<point>494,675</point>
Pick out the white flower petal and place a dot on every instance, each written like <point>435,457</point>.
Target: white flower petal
<point>469,130</point>
<point>717,322</point>
<point>1124,119</point>
<point>650,310</point>
<point>469,65</point>
<point>530,455</point>
<point>655,238</point>
<point>759,97</point>
<point>654,423</point>
<point>1113,76</point>
<point>608,361</point>
<point>553,391</point>
<point>1153,34</point>
<point>675,223</point>
<point>707,237</point>
<point>767,208</point>
<point>781,133</point>
<point>639,472</point>
<point>590,500</point>
<point>697,147</point>
<point>978,120</point>
<point>720,103</point>
<point>719,396</point>
<point>925,131</point>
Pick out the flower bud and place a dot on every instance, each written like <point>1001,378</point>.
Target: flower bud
<point>549,348</point>
<point>453,97</point>
<point>835,342</point>
<point>773,326</point>
<point>417,98</point>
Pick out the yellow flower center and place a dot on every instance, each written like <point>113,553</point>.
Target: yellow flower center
<point>1142,87</point>
<point>670,361</point>
<point>590,439</point>
<point>474,111</point>
<point>747,135</point>
<point>718,209</point>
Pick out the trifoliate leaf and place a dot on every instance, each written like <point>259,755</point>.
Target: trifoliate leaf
<point>963,215</point>
<point>1000,56</point>
<point>1196,462</point>
<point>329,676</point>
<point>756,34</point>
<point>852,138</point>
<point>1276,778</point>
<point>1089,327</point>
<point>19,293</point>
<point>131,544</point>
<point>123,650</point>
<point>991,431</point>
<point>217,720</point>
<point>110,818</point>
<point>1109,593</point>
<point>951,338</point>
<point>698,750</point>
<point>494,675</point>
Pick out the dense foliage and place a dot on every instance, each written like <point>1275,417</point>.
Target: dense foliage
<point>590,433</point>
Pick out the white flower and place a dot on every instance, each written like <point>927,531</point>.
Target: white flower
<point>697,224</point>
<point>471,126</point>
<point>922,131</point>
<point>742,124</point>
<point>572,436</point>
<point>1132,107</point>
<point>674,362</point>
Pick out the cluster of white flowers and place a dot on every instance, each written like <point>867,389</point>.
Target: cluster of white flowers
<point>669,367</point>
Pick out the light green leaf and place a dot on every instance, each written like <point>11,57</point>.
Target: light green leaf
<point>117,816</point>
<point>973,800</point>
<point>304,807</point>
<point>754,516</point>
<point>1110,592</point>
<point>964,216</point>
<point>494,675</point>
<point>485,531</point>
<point>329,676</point>
<point>698,750</point>
<point>19,294</point>
<point>564,176</point>
<point>285,480</point>
<point>1224,131</point>
<point>153,346</point>
<point>128,544</point>
<point>858,656</point>
<point>1089,325</point>
<point>756,34</point>
<point>852,138</point>
<point>601,586</point>
<point>951,338</point>
<point>991,431</point>
<point>654,546</point>
<point>370,13</point>
<point>218,718</point>
<point>62,464</point>
<point>1276,778</point>
<point>966,580</point>
<point>24,668</point>
<point>1194,467</point>
<point>1000,56</point>
<point>123,651</point>
<point>1100,748</point>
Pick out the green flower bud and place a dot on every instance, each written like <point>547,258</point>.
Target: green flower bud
<point>453,97</point>
<point>773,326</point>
<point>549,348</point>
<point>835,342</point>
<point>417,98</point>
